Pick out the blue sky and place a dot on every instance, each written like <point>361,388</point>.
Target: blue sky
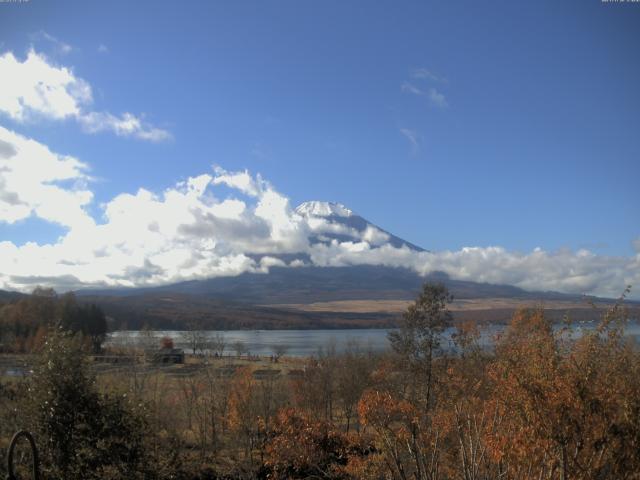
<point>450,124</point>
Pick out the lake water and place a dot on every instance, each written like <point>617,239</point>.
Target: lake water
<point>303,343</point>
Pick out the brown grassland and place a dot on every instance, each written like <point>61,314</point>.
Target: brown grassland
<point>399,306</point>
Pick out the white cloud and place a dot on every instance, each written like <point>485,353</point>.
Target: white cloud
<point>102,48</point>
<point>410,88</point>
<point>435,97</point>
<point>61,47</point>
<point>413,137</point>
<point>35,88</point>
<point>424,74</point>
<point>320,225</point>
<point>375,236</point>
<point>564,271</point>
<point>145,238</point>
<point>241,181</point>
<point>196,230</point>
<point>127,125</point>
<point>30,176</point>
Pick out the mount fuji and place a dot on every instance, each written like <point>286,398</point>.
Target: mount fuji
<point>334,221</point>
<point>297,293</point>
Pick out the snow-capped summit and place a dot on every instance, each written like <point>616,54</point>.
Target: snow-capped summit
<point>330,221</point>
<point>323,209</point>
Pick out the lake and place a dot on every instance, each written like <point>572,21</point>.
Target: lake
<point>302,343</point>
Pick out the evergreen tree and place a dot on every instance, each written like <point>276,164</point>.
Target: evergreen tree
<point>82,433</point>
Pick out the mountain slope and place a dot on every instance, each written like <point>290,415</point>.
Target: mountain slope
<point>334,221</point>
<point>6,296</point>
<point>322,284</point>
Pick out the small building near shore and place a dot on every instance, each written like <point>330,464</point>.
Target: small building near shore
<point>167,355</point>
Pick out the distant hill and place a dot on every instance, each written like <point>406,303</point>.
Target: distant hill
<point>6,296</point>
<point>259,301</point>
<point>179,312</point>
<point>315,284</point>
<point>255,301</point>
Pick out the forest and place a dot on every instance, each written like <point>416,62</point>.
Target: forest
<point>540,404</point>
<point>25,321</point>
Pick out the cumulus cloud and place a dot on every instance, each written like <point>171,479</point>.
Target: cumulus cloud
<point>563,271</point>
<point>241,181</point>
<point>36,181</point>
<point>225,223</point>
<point>145,238</point>
<point>375,236</point>
<point>35,88</point>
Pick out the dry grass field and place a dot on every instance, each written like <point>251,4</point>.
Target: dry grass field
<point>398,306</point>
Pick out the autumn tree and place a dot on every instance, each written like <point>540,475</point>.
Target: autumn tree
<point>315,390</point>
<point>243,417</point>
<point>217,344</point>
<point>240,348</point>
<point>569,406</point>
<point>300,447</point>
<point>466,417</point>
<point>24,320</point>
<point>279,349</point>
<point>195,337</point>
<point>404,414</point>
<point>212,410</point>
<point>352,379</point>
<point>418,338</point>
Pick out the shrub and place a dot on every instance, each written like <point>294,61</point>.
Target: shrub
<point>82,434</point>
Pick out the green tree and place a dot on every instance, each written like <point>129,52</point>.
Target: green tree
<point>86,319</point>
<point>420,330</point>
<point>96,326</point>
<point>83,434</point>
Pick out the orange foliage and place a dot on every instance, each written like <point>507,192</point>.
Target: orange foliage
<point>565,406</point>
<point>241,416</point>
<point>543,405</point>
<point>381,410</point>
<point>301,447</point>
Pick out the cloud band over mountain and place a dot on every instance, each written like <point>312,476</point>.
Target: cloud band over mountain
<point>225,223</point>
